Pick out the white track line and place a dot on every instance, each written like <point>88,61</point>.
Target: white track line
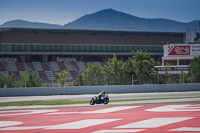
<point>71,125</point>
<point>9,123</point>
<point>154,122</point>
<point>82,124</point>
<point>25,112</point>
<point>186,129</point>
<point>120,131</point>
<point>184,107</point>
<point>107,110</point>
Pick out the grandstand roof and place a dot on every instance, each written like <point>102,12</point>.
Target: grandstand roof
<point>84,31</point>
<point>70,36</point>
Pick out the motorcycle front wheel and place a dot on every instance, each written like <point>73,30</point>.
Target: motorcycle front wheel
<point>92,102</point>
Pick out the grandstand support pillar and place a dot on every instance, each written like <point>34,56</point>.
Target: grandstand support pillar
<point>23,58</point>
<point>163,62</point>
<point>45,58</point>
<point>177,62</point>
<point>182,78</point>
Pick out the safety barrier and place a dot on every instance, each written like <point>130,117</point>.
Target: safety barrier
<point>95,89</point>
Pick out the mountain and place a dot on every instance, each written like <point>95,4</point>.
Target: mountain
<point>110,19</point>
<point>26,24</point>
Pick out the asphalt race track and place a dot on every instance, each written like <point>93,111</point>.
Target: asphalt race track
<point>111,96</point>
<point>142,118</point>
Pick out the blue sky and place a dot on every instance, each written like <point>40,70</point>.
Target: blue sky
<point>65,11</point>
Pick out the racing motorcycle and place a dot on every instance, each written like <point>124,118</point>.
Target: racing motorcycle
<point>98,100</point>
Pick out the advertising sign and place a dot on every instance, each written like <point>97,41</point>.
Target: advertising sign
<point>195,49</point>
<point>8,60</point>
<point>178,50</point>
<point>182,49</point>
<point>59,59</point>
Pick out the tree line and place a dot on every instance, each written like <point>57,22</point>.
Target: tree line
<point>138,69</point>
<point>27,79</point>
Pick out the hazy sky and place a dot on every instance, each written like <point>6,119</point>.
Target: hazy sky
<point>65,11</point>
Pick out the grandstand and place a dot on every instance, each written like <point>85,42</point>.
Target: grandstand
<point>47,51</point>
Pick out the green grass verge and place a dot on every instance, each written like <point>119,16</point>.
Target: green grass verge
<point>125,100</point>
<point>57,102</point>
<point>66,102</point>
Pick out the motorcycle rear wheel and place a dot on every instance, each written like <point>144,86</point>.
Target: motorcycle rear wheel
<point>106,101</point>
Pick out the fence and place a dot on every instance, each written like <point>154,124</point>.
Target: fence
<point>97,89</point>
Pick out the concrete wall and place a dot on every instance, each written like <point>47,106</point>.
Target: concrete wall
<point>97,89</point>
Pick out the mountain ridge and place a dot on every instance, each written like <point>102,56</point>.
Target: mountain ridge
<point>27,24</point>
<point>110,19</point>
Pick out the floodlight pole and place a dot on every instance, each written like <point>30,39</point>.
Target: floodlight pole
<point>79,84</point>
<point>25,79</point>
<point>79,80</point>
<point>52,82</point>
<point>132,79</point>
<point>157,77</point>
<point>105,80</point>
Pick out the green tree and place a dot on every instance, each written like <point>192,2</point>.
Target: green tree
<point>29,79</point>
<point>115,72</point>
<point>194,70</point>
<point>1,80</point>
<point>8,80</point>
<point>91,76</point>
<point>62,78</point>
<point>140,64</point>
<point>182,77</point>
<point>11,81</point>
<point>169,78</point>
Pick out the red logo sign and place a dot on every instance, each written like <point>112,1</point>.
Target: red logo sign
<point>179,50</point>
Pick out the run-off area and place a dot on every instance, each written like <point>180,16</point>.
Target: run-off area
<point>176,117</point>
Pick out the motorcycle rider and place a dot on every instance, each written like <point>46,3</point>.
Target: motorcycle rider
<point>102,95</point>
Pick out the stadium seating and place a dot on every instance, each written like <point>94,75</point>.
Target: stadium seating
<point>37,66</point>
<point>20,66</point>
<point>81,66</point>
<point>45,66</point>
<point>50,75</point>
<point>61,65</point>
<point>73,74</point>
<point>98,63</point>
<point>42,75</point>
<point>75,65</point>
<point>2,67</point>
<point>45,70</point>
<point>54,66</point>
<point>11,66</point>
<point>29,66</point>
